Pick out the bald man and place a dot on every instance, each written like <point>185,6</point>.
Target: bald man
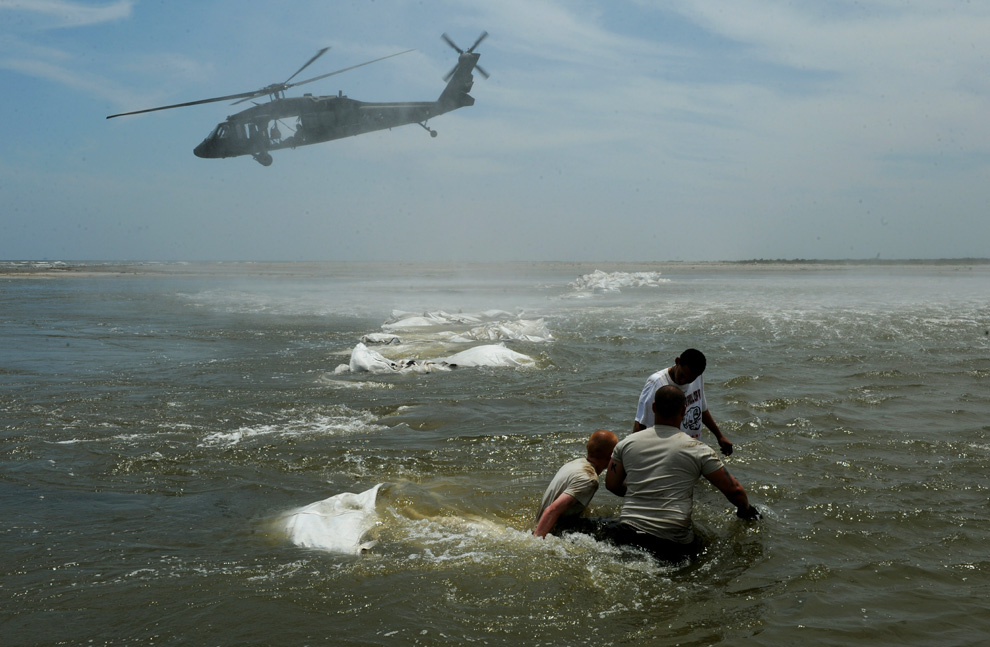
<point>574,485</point>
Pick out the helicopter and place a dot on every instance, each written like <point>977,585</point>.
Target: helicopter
<point>255,131</point>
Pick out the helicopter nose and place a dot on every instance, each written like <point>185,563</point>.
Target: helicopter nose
<point>208,148</point>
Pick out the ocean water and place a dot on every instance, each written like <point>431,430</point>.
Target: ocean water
<point>157,422</point>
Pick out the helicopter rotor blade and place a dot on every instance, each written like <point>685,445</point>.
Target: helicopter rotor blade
<point>483,36</point>
<point>271,89</point>
<point>308,63</point>
<point>478,68</point>
<point>275,88</point>
<point>242,95</point>
<point>451,43</point>
<point>469,50</point>
<point>323,76</point>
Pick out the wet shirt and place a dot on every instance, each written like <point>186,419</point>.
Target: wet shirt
<point>577,478</point>
<point>662,465</point>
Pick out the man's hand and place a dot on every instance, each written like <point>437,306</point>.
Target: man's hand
<point>749,514</point>
<point>725,445</point>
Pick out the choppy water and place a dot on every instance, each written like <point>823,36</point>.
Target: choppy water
<point>155,422</point>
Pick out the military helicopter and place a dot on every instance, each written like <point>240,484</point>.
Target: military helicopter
<point>256,132</point>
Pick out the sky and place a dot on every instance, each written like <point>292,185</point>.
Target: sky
<point>609,130</point>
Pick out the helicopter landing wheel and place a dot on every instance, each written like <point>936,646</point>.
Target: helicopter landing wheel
<point>433,133</point>
<point>265,159</point>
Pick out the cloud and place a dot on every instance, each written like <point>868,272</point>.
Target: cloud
<point>780,129</point>
<point>59,13</point>
<point>25,55</point>
<point>91,84</point>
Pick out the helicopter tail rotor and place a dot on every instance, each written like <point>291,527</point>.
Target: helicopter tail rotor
<point>470,50</point>
<point>462,52</point>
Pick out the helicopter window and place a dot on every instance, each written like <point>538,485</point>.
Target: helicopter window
<point>228,130</point>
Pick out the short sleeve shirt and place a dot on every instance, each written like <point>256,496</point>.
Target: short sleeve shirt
<point>694,393</point>
<point>577,478</point>
<point>662,466</point>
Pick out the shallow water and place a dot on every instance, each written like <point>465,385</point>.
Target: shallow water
<point>156,421</point>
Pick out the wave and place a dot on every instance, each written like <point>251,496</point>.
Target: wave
<point>340,421</point>
<point>490,325</point>
<point>599,282</point>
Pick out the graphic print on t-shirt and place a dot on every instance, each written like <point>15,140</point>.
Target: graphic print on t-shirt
<point>692,420</point>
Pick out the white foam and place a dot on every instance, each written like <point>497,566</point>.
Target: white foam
<point>402,320</point>
<point>345,421</point>
<point>599,282</point>
<point>530,330</point>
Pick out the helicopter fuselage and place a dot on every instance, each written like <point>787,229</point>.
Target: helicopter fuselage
<point>315,119</point>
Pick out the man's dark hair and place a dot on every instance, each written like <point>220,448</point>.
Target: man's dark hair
<point>669,402</point>
<point>695,360</point>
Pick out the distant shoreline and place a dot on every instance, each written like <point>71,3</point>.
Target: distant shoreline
<point>55,269</point>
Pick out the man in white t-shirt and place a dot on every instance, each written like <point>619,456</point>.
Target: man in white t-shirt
<point>572,488</point>
<point>685,374</point>
<point>655,471</point>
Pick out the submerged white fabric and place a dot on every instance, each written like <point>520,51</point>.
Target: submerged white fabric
<point>489,355</point>
<point>419,343</point>
<point>337,524</point>
<point>364,359</point>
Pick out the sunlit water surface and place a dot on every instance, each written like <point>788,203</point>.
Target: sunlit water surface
<point>155,421</point>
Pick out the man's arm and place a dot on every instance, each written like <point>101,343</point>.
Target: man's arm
<point>552,513</point>
<point>724,443</point>
<point>638,426</point>
<point>615,478</point>
<point>729,487</point>
<point>733,491</point>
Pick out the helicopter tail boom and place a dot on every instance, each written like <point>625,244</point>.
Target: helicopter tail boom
<point>455,95</point>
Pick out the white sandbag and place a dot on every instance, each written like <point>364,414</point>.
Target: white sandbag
<point>337,524</point>
<point>490,355</point>
<point>363,359</point>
